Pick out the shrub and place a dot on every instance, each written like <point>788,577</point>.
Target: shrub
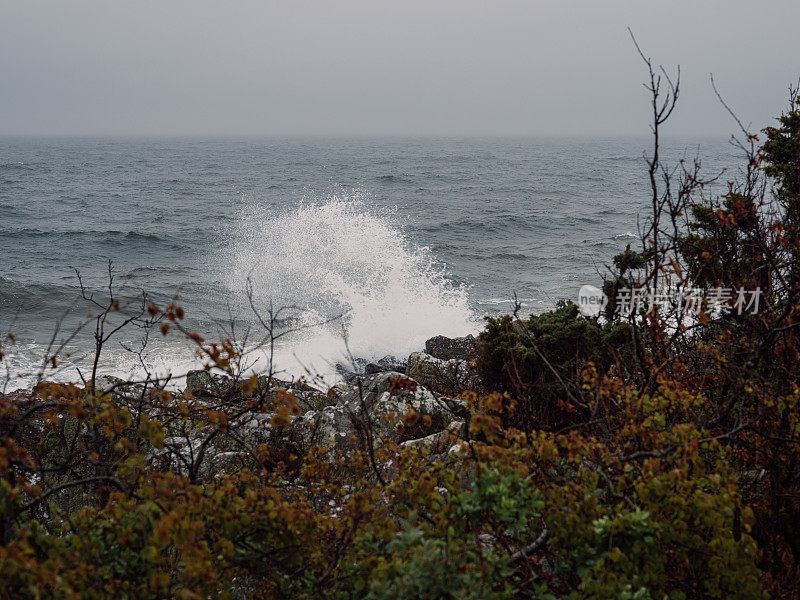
<point>539,361</point>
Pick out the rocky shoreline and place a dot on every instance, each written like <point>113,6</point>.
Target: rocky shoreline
<point>412,402</point>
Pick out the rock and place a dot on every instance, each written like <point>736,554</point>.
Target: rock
<point>299,388</point>
<point>268,389</point>
<point>203,383</point>
<point>459,447</point>
<point>360,366</point>
<point>108,383</point>
<point>386,407</point>
<point>457,406</point>
<point>425,368</point>
<point>444,348</point>
<point>368,388</point>
<point>393,363</point>
<point>350,371</point>
<point>265,383</point>
<point>440,442</point>
<point>448,377</point>
<point>118,387</point>
<point>328,427</point>
<point>370,399</point>
<point>387,363</point>
<point>311,399</point>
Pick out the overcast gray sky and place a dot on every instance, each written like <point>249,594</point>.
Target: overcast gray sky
<point>374,67</point>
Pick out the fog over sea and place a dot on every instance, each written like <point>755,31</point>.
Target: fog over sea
<point>402,238</point>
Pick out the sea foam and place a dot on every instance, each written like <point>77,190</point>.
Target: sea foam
<point>355,280</point>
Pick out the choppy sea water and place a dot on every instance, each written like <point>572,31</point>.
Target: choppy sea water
<point>382,242</point>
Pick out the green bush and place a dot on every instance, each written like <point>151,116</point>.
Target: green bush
<point>539,361</point>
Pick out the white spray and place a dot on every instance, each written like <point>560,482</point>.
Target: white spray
<point>337,258</point>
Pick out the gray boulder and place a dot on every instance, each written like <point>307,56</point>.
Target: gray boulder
<point>202,383</point>
<point>440,442</point>
<point>118,387</point>
<point>447,377</point>
<point>329,427</point>
<point>350,370</point>
<point>387,363</point>
<point>369,400</point>
<point>445,348</point>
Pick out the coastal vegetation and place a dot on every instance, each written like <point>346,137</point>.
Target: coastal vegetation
<point>647,454</point>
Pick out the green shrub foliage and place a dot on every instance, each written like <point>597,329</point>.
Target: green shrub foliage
<point>539,362</point>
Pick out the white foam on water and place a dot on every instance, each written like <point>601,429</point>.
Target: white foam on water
<point>351,268</point>
<point>24,365</point>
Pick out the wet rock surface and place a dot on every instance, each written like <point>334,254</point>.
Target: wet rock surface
<point>445,348</point>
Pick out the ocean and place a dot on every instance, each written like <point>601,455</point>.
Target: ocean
<point>373,244</point>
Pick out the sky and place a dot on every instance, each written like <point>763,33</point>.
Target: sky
<point>372,67</point>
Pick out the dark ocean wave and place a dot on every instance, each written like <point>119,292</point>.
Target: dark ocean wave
<point>16,166</point>
<point>147,237</point>
<point>394,179</point>
<point>19,293</point>
<point>105,237</point>
<point>511,256</point>
<point>147,271</point>
<point>615,159</point>
<point>35,299</point>
<point>476,224</point>
<point>36,309</point>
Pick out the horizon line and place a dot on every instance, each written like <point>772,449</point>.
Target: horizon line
<point>364,135</point>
